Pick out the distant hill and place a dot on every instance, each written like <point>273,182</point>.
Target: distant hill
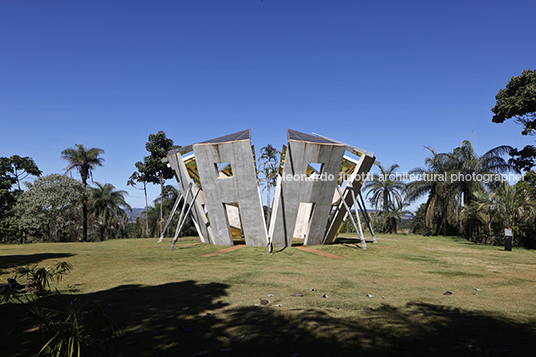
<point>136,212</point>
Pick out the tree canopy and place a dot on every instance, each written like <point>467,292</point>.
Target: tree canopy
<point>158,147</point>
<point>7,180</point>
<point>269,169</point>
<point>84,161</point>
<point>107,203</point>
<point>23,167</point>
<point>152,169</point>
<point>48,209</point>
<point>443,180</point>
<point>518,101</point>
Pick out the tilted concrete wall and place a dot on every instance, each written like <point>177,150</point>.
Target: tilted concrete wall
<point>356,182</point>
<point>228,203</point>
<point>241,188</point>
<point>293,188</point>
<point>183,179</point>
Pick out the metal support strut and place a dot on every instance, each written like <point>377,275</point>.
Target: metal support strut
<point>177,202</point>
<point>358,230</point>
<point>374,240</point>
<point>181,223</point>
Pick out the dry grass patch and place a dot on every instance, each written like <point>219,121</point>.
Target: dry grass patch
<point>387,300</point>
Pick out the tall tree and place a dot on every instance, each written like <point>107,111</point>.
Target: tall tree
<point>153,169</point>
<point>512,205</point>
<point>84,161</point>
<point>437,214</point>
<point>394,216</point>
<point>386,189</point>
<point>107,205</point>
<point>526,188</point>
<point>140,176</point>
<point>465,162</point>
<point>7,200</point>
<point>23,167</point>
<point>7,180</point>
<point>50,208</point>
<point>452,183</point>
<point>518,101</point>
<point>269,168</point>
<point>480,211</point>
<point>386,193</point>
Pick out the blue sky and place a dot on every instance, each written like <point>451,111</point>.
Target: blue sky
<point>387,76</point>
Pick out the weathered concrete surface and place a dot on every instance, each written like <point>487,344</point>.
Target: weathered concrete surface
<point>183,179</point>
<point>241,188</point>
<point>356,182</point>
<point>295,187</point>
<point>229,201</point>
<point>302,222</point>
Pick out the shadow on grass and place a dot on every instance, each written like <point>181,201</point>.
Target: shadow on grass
<point>181,319</point>
<point>351,242</point>
<point>9,261</point>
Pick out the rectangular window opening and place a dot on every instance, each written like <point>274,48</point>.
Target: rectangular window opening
<point>303,220</point>
<point>223,169</point>
<point>235,222</point>
<point>314,169</point>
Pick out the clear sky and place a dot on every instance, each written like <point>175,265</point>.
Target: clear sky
<point>388,76</point>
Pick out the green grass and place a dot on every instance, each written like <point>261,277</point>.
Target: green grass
<point>156,292</point>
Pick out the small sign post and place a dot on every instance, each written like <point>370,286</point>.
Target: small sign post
<point>508,239</point>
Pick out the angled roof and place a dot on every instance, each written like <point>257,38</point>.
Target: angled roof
<point>299,136</point>
<point>239,136</point>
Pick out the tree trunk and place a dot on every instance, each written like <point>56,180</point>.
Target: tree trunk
<point>84,175</point>
<point>161,202</point>
<point>146,211</point>
<point>84,218</point>
<point>268,210</point>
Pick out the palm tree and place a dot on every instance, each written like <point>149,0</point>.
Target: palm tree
<point>269,180</point>
<point>269,166</point>
<point>386,190</point>
<point>482,211</point>
<point>451,182</point>
<point>466,162</point>
<point>513,206</point>
<point>431,182</point>
<point>107,204</point>
<point>83,160</point>
<point>393,217</point>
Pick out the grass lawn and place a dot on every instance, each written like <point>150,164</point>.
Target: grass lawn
<point>387,300</point>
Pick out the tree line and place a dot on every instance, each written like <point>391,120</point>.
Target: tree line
<point>59,208</point>
<point>478,210</point>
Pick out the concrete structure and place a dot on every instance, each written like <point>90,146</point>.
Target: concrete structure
<point>188,187</point>
<point>220,188</point>
<point>228,177</point>
<point>231,202</point>
<point>305,189</point>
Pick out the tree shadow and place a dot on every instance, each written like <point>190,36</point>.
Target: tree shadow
<point>153,319</point>
<point>345,240</point>
<point>184,318</point>
<point>10,261</point>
